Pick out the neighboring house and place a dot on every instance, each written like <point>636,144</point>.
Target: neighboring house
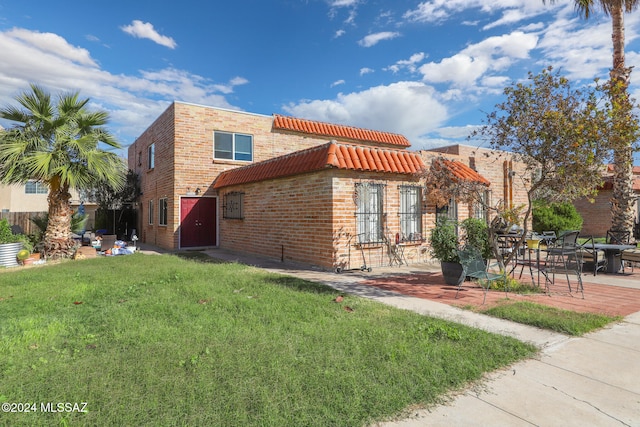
<point>596,215</point>
<point>32,198</point>
<point>328,195</point>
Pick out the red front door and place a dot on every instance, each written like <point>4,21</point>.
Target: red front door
<point>197,222</point>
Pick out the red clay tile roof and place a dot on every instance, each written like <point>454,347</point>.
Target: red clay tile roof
<point>330,155</point>
<point>464,172</point>
<point>338,131</point>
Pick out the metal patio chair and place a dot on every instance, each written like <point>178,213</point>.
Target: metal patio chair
<point>475,267</point>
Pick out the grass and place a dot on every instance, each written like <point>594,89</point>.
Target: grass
<point>558,320</point>
<point>157,340</point>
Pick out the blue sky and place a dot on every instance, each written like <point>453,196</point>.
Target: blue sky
<point>429,70</point>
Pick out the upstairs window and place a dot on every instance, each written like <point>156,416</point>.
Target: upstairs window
<point>152,156</point>
<point>34,187</point>
<point>233,146</point>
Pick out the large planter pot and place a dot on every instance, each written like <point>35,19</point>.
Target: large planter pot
<point>8,252</point>
<point>452,272</point>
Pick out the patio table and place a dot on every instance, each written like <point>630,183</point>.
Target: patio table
<point>612,252</point>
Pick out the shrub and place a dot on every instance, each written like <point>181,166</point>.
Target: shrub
<point>6,235</point>
<point>444,241</point>
<point>475,233</point>
<point>555,217</point>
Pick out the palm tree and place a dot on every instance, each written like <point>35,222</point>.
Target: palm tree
<point>57,144</point>
<point>622,200</point>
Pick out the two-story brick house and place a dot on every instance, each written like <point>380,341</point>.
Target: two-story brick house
<point>328,195</point>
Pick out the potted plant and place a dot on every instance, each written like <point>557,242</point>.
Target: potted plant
<point>10,245</point>
<point>444,246</point>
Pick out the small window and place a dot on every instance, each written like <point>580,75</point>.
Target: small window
<point>410,213</point>
<point>162,211</point>
<point>480,207</point>
<point>232,146</point>
<point>34,187</point>
<point>151,212</point>
<point>152,156</point>
<point>233,206</point>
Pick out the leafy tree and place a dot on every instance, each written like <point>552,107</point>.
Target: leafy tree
<point>107,197</point>
<point>556,132</point>
<point>58,144</point>
<point>624,136</point>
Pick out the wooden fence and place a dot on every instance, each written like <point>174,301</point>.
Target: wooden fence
<point>22,220</point>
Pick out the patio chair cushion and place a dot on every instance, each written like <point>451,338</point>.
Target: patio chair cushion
<point>631,255</point>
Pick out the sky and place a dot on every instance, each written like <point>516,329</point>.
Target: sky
<point>430,70</point>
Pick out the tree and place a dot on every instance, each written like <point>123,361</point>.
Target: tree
<point>556,132</point>
<point>621,140</point>
<point>108,197</point>
<point>58,144</point>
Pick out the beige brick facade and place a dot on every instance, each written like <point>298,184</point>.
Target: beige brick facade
<point>309,217</point>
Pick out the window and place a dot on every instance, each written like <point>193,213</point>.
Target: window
<point>410,213</point>
<point>232,146</point>
<point>369,212</point>
<point>151,212</point>
<point>233,206</point>
<point>480,207</point>
<point>151,151</point>
<point>162,211</point>
<point>34,187</point>
<point>449,211</point>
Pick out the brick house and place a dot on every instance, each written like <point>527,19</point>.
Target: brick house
<point>327,195</point>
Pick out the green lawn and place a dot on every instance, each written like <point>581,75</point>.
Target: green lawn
<point>159,340</point>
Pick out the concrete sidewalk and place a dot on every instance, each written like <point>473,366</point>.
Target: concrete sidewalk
<point>587,381</point>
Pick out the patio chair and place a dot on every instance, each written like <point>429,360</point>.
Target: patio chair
<point>592,256</point>
<point>615,237</point>
<point>631,256</point>
<point>564,257</point>
<point>475,267</point>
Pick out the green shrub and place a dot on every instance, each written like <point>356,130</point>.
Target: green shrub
<point>475,233</point>
<point>6,235</point>
<point>444,241</point>
<point>555,217</point>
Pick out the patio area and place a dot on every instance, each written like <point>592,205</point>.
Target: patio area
<point>612,294</point>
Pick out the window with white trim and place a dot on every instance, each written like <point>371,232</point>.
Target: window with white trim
<point>151,213</point>
<point>369,212</point>
<point>35,187</point>
<point>233,205</point>
<point>232,146</point>
<point>162,211</point>
<point>151,154</point>
<point>410,213</point>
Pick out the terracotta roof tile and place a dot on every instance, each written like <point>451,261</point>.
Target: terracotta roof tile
<point>338,131</point>
<point>332,154</point>
<point>464,172</point>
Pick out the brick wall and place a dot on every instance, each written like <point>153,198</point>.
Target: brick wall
<point>310,218</point>
<point>183,138</point>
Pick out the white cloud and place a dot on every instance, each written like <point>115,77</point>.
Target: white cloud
<point>48,44</point>
<point>473,62</point>
<point>133,101</point>
<point>409,108</point>
<point>337,83</point>
<point>366,70</point>
<point>513,10</point>
<point>145,30</point>
<point>339,33</point>
<point>373,39</point>
<point>409,64</point>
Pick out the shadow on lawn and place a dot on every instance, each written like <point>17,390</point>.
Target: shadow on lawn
<point>300,284</point>
<point>199,257</point>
